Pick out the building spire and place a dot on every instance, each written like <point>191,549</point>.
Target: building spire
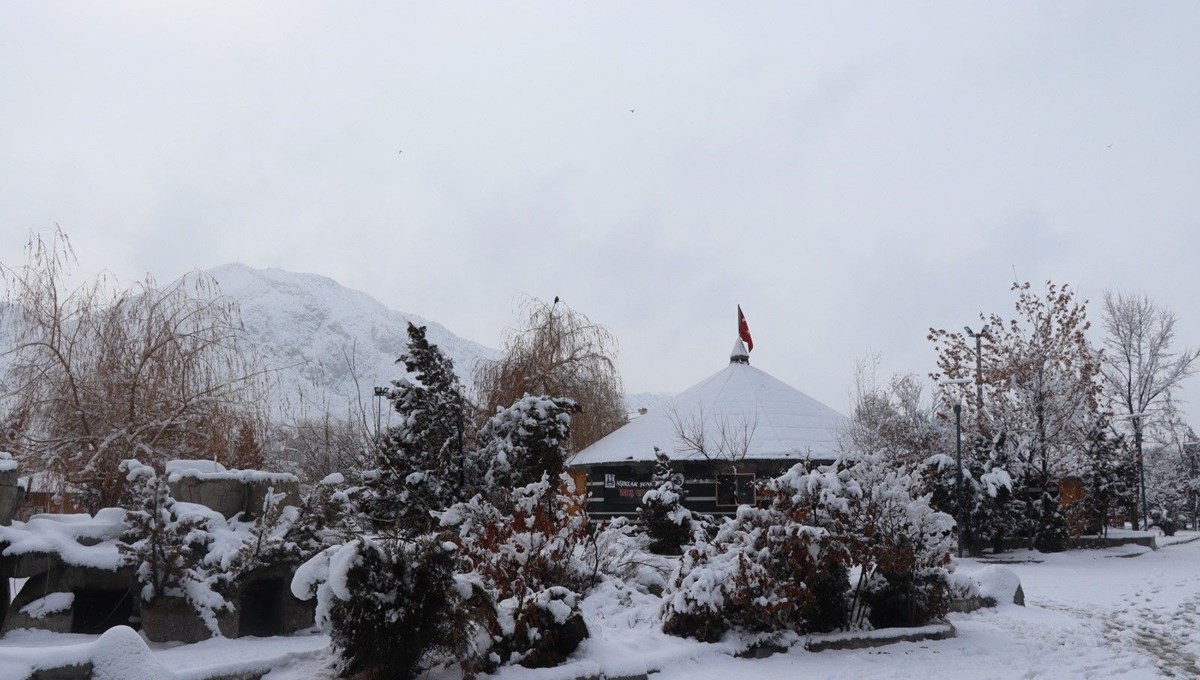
<point>739,355</point>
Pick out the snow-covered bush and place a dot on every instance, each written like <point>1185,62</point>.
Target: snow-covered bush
<point>289,535</point>
<point>520,545</point>
<point>1162,519</point>
<point>785,567</point>
<point>990,511</point>
<point>521,537</point>
<point>902,547</point>
<point>525,441</point>
<point>618,550</point>
<point>395,605</point>
<point>753,576</point>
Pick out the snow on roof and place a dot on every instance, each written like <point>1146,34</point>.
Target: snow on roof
<point>80,539</point>
<point>6,462</point>
<point>739,400</point>
<point>205,466</point>
<point>211,470</point>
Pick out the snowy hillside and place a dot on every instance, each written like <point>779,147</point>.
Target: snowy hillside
<point>315,330</point>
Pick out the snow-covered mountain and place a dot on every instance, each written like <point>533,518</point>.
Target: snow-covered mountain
<point>320,335</point>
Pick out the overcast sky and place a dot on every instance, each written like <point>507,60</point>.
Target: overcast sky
<point>850,173</point>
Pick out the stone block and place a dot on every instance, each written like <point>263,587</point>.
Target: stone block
<point>35,589</point>
<point>10,496</point>
<point>79,671</point>
<point>172,619</point>
<point>226,496</point>
<point>256,493</point>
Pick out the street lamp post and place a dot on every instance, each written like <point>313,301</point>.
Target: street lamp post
<point>962,518</point>
<point>381,393</point>
<point>958,458</point>
<point>978,364</point>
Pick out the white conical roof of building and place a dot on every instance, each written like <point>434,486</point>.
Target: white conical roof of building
<point>739,408</point>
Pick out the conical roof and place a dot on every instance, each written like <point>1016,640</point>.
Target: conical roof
<point>739,408</point>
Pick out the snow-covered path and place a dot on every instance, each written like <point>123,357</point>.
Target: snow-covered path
<point>1123,613</point>
<point>1148,603</point>
<point>1119,613</point>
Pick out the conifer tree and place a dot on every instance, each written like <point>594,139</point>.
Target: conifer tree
<point>422,461</point>
<point>398,607</point>
<point>667,522</point>
<point>1108,478</point>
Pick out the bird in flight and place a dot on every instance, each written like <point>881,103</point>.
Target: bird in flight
<point>632,110</point>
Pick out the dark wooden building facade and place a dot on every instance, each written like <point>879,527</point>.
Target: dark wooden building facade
<point>738,425</point>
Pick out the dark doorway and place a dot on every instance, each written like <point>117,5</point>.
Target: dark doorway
<point>95,611</point>
<point>260,614</point>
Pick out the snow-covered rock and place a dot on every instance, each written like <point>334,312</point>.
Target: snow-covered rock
<point>121,654</point>
<point>50,604</point>
<point>1000,584</point>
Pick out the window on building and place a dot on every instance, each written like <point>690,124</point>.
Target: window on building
<point>735,488</point>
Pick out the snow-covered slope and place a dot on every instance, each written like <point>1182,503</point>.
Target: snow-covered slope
<point>320,334</point>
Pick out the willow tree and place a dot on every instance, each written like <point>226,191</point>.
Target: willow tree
<point>98,373</point>
<point>558,352</point>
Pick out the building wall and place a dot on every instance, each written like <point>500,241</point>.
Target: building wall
<point>711,487</point>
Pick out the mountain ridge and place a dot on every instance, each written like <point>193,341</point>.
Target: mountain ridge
<point>329,344</point>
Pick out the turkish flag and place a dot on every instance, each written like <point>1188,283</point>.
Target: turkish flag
<point>744,330</point>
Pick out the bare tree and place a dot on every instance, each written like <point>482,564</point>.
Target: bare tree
<point>100,373</point>
<point>324,444</point>
<point>711,438</point>
<point>319,439</point>
<point>720,440</point>
<point>893,420</point>
<point>561,353</point>
<point>1139,366</point>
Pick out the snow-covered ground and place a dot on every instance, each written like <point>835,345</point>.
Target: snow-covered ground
<point>1118,613</point>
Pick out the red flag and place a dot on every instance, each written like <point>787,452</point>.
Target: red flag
<point>744,330</point>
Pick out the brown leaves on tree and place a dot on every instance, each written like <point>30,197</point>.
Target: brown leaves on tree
<point>1040,376</point>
